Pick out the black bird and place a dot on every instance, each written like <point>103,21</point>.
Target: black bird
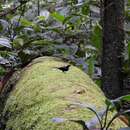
<point>64,68</point>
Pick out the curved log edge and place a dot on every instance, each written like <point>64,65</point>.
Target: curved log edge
<point>43,92</point>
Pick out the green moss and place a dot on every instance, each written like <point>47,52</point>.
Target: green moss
<point>44,92</point>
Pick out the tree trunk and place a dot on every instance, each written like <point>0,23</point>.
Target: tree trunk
<point>113,47</point>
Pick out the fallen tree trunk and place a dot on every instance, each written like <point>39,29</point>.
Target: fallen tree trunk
<point>45,92</point>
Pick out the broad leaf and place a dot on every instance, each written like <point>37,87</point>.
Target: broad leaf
<point>58,17</point>
<point>85,9</point>
<point>5,42</point>
<point>122,98</point>
<point>26,23</point>
<point>96,36</point>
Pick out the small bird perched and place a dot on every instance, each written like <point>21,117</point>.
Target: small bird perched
<point>64,68</point>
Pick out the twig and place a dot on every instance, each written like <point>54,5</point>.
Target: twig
<point>106,114</point>
<point>22,12</point>
<point>96,116</point>
<point>38,7</point>
<point>114,117</point>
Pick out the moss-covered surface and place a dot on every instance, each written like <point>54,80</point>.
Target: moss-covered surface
<point>44,92</point>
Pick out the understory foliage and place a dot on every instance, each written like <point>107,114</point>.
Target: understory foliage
<point>68,29</point>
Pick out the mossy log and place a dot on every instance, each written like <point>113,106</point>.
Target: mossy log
<point>44,92</point>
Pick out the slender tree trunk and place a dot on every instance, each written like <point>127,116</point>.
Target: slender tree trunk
<point>113,47</point>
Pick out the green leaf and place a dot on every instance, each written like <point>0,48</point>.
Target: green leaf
<point>18,43</point>
<point>107,102</point>
<point>85,9</point>
<point>2,71</point>
<point>129,51</point>
<point>98,82</point>
<point>123,98</point>
<point>91,66</point>
<point>1,7</point>
<point>110,104</point>
<point>58,17</point>
<point>36,28</point>
<point>96,37</point>
<point>1,27</point>
<point>66,20</point>
<point>26,22</point>
<point>41,18</point>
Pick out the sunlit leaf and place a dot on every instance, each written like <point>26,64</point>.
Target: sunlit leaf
<point>26,23</point>
<point>5,42</point>
<point>58,17</point>
<point>41,18</point>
